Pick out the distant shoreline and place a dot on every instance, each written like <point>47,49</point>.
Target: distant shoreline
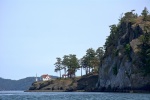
<point>90,91</point>
<point>53,91</point>
<point>119,91</point>
<point>44,91</point>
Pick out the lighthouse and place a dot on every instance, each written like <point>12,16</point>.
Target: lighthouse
<point>36,79</point>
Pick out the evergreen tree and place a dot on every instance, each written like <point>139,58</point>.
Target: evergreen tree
<point>58,65</point>
<point>70,62</point>
<point>100,54</point>
<point>84,63</point>
<point>145,14</point>
<point>65,62</point>
<point>145,53</point>
<point>74,65</point>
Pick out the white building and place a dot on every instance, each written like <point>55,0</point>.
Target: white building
<point>36,79</point>
<point>46,77</point>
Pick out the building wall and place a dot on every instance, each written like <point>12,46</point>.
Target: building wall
<point>46,79</point>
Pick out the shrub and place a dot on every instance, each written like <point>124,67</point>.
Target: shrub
<point>127,48</point>
<point>115,52</point>
<point>127,51</point>
<point>115,70</point>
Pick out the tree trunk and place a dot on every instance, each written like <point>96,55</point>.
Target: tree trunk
<point>86,70</point>
<point>60,73</point>
<point>93,69</point>
<point>81,71</point>
<point>70,75</point>
<point>65,72</point>
<point>74,74</point>
<point>89,69</point>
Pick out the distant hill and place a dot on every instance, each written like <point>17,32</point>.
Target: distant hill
<point>22,84</point>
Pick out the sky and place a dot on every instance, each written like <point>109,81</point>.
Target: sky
<point>34,32</point>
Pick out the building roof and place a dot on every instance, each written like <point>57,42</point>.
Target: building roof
<point>45,75</point>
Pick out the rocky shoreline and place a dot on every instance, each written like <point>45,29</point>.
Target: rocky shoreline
<point>44,91</point>
<point>79,84</point>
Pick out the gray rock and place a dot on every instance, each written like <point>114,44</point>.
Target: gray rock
<point>129,76</point>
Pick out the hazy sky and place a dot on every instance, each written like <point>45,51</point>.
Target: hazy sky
<point>34,32</point>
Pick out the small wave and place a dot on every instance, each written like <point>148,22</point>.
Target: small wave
<point>6,94</point>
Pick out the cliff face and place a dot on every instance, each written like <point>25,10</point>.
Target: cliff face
<point>122,66</point>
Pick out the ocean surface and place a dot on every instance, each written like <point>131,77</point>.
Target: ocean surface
<point>20,95</point>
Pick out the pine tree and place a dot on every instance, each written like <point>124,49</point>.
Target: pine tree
<point>58,65</point>
<point>145,14</point>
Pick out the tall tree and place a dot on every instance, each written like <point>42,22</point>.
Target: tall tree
<point>145,13</point>
<point>80,65</point>
<point>129,17</point>
<point>100,54</point>
<point>65,63</point>
<point>84,63</point>
<point>112,38</point>
<point>90,57</point>
<point>73,64</point>
<point>58,65</point>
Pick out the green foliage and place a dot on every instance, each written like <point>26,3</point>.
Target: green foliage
<point>71,63</point>
<point>112,38</point>
<point>148,52</point>
<point>92,59</point>
<point>129,17</point>
<point>58,65</point>
<point>133,21</point>
<point>117,30</point>
<point>116,52</point>
<point>115,70</point>
<point>100,53</point>
<point>65,62</point>
<point>134,61</point>
<point>145,53</point>
<point>145,14</point>
<point>146,27</point>
<point>128,50</point>
<point>84,63</point>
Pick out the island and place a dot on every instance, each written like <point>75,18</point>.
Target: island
<point>122,65</point>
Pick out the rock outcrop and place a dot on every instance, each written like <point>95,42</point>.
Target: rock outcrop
<point>121,68</point>
<point>84,83</point>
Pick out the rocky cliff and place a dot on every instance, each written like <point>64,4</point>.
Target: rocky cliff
<point>123,67</point>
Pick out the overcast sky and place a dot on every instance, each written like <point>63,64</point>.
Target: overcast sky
<point>34,32</point>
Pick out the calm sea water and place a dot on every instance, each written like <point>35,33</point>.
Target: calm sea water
<point>20,95</point>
